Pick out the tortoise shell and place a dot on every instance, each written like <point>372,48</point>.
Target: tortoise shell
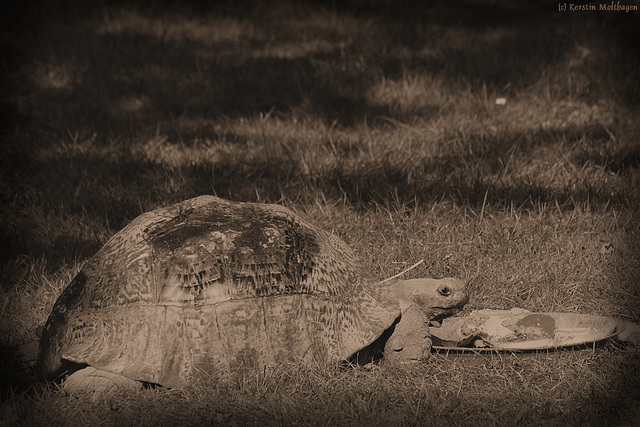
<point>199,290</point>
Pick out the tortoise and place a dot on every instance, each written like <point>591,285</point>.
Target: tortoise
<point>197,291</point>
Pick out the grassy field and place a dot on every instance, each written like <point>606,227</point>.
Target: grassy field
<point>498,141</point>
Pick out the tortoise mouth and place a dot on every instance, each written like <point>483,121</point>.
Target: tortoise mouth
<point>442,313</point>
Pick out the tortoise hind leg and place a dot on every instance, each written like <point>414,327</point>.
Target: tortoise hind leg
<point>98,383</point>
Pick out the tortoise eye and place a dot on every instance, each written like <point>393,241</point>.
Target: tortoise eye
<point>445,291</point>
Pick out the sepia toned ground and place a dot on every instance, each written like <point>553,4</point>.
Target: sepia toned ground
<point>498,141</point>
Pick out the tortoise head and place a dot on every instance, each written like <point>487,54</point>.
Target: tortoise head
<point>437,298</point>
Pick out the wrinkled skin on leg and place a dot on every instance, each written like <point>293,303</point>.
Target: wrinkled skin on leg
<point>98,383</point>
<point>411,339</point>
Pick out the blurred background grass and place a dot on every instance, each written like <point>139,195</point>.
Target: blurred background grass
<point>380,122</point>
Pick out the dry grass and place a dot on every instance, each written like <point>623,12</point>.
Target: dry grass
<point>379,123</point>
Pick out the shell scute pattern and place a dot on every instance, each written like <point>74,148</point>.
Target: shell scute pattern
<point>265,256</point>
<point>195,291</point>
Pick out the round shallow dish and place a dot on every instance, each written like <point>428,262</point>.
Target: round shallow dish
<point>519,330</point>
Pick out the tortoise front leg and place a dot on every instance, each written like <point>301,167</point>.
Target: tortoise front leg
<point>411,338</point>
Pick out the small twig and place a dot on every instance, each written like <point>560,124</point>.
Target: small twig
<point>395,122</point>
<point>402,272</point>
